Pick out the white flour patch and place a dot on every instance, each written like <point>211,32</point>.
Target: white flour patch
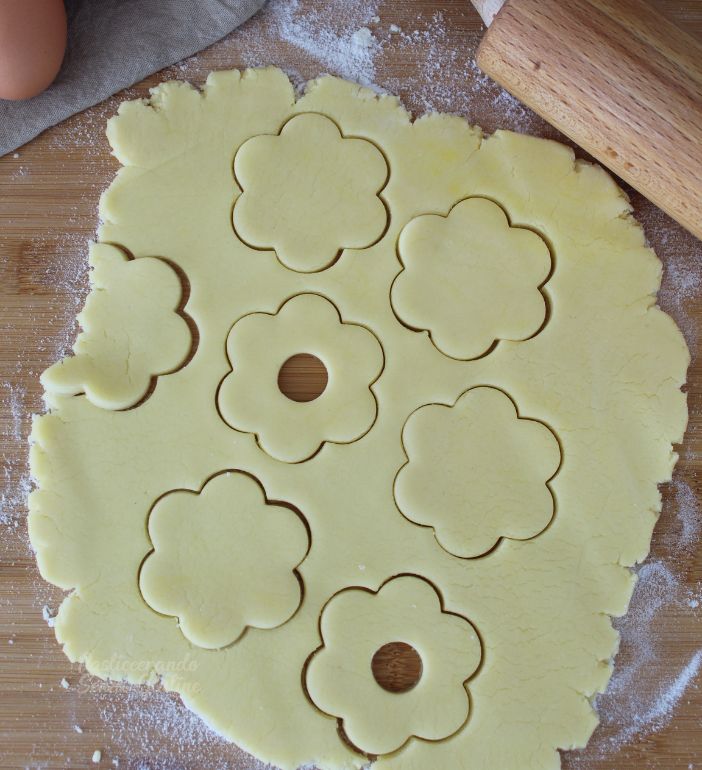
<point>64,272</point>
<point>16,482</point>
<point>641,697</point>
<point>335,34</point>
<point>147,722</point>
<point>49,615</point>
<point>689,515</point>
<point>441,75</point>
<point>682,275</point>
<point>662,707</point>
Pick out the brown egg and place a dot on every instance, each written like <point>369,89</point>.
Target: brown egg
<point>32,45</point>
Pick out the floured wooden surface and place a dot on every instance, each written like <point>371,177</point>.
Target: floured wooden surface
<point>57,180</point>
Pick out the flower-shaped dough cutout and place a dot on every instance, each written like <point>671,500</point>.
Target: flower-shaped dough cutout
<point>470,279</point>
<point>132,331</point>
<point>477,472</point>
<point>250,400</point>
<point>309,193</point>
<point>224,559</point>
<point>355,624</point>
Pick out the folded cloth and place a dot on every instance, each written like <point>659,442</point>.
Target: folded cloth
<point>113,44</point>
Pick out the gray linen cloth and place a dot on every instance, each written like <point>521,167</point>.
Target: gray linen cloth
<point>113,44</point>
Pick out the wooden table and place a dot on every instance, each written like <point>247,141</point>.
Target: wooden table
<point>48,199</point>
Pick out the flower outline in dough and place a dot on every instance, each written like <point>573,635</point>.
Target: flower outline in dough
<point>309,227</point>
<point>115,363</point>
<point>471,279</point>
<point>358,621</point>
<point>457,460</point>
<point>208,543</point>
<point>249,400</point>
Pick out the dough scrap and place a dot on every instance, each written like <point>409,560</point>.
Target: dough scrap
<point>604,374</point>
<point>131,331</point>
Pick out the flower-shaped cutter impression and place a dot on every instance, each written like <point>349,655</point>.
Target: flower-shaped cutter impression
<point>471,279</point>
<point>355,624</point>
<point>134,329</point>
<point>224,559</point>
<point>309,193</point>
<point>477,472</point>
<point>258,345</point>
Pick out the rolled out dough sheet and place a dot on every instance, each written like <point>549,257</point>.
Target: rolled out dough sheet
<point>475,481</point>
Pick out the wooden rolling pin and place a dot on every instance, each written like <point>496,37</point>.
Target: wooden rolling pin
<point>617,78</point>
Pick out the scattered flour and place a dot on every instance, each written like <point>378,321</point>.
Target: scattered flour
<point>682,277</point>
<point>689,515</point>
<point>641,698</point>
<point>350,53</point>
<point>661,711</point>
<point>48,615</point>
<point>16,483</point>
<point>335,34</point>
<point>148,722</point>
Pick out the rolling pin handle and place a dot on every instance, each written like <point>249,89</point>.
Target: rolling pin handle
<point>617,78</point>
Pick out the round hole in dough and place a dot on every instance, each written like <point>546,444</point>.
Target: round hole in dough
<point>397,667</point>
<point>303,377</point>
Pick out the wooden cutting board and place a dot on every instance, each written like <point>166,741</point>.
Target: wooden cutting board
<point>48,200</point>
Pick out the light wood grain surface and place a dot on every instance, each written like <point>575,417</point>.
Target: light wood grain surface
<point>619,79</point>
<point>48,199</point>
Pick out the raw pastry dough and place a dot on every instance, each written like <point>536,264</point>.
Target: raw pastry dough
<point>340,681</point>
<point>470,279</point>
<point>337,206</point>
<point>459,458</point>
<point>602,376</point>
<point>258,345</point>
<point>224,559</point>
<point>130,331</point>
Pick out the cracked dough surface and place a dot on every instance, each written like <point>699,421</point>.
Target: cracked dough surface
<point>602,374</point>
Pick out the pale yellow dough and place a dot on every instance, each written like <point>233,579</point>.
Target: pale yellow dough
<point>476,472</point>
<point>470,279</point>
<point>374,719</point>
<point>521,405</point>
<point>129,331</point>
<point>223,560</point>
<point>301,205</point>
<point>258,345</point>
